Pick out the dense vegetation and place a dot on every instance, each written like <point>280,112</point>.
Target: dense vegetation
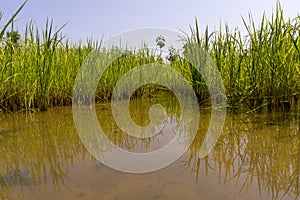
<point>260,70</point>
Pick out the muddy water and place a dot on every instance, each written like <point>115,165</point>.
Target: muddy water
<point>256,157</point>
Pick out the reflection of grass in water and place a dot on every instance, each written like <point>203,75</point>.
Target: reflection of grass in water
<point>39,154</point>
<point>139,111</point>
<point>268,156</point>
<point>248,150</point>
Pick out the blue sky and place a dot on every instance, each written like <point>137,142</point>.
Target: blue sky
<point>97,18</point>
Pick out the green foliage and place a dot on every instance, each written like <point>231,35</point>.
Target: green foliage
<point>10,21</point>
<point>160,41</point>
<point>259,71</point>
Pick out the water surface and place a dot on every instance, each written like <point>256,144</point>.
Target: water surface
<point>257,157</point>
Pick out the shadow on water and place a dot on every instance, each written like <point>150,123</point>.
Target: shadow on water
<point>42,152</point>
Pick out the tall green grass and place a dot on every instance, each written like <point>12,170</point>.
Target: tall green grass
<point>260,70</point>
<point>39,71</point>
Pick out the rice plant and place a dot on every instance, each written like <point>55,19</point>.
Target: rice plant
<point>260,71</point>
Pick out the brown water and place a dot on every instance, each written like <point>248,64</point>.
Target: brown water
<point>257,157</point>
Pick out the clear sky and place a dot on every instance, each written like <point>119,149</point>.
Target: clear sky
<point>97,18</point>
